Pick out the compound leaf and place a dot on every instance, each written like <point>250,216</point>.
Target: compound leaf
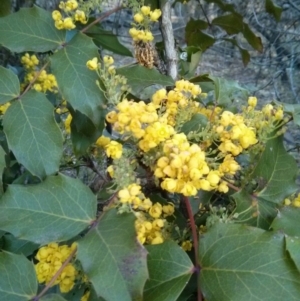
<point>33,135</point>
<point>55,210</point>
<point>113,260</point>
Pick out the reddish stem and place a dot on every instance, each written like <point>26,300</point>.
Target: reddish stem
<point>195,244</point>
<point>56,275</point>
<point>102,17</point>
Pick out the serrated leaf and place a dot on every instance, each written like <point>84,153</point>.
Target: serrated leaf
<point>18,279</point>
<point>275,172</point>
<point>30,29</point>
<point>287,218</point>
<point>55,210</point>
<point>293,247</point>
<point>231,23</point>
<point>139,77</point>
<point>197,122</point>
<point>9,85</point>
<point>252,39</point>
<point>245,263</point>
<point>76,82</point>
<point>33,135</point>
<point>169,269</point>
<point>18,246</point>
<point>113,260</point>
<point>254,211</point>
<point>52,297</point>
<point>273,9</point>
<point>108,40</point>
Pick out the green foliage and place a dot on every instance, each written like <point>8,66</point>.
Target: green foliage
<point>273,9</point>
<point>68,197</point>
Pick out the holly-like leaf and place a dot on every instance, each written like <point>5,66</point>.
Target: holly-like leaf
<point>33,135</point>
<point>293,246</point>
<point>273,9</point>
<point>197,122</point>
<point>275,172</point>
<point>18,246</point>
<point>30,29</point>
<point>139,77</point>
<point>55,210</point>
<point>113,260</point>
<point>286,220</point>
<point>18,279</point>
<point>9,85</point>
<point>170,269</point>
<point>76,82</point>
<point>231,23</point>
<point>108,40</point>
<point>245,263</point>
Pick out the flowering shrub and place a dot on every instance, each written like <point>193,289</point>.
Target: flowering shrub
<point>109,194</point>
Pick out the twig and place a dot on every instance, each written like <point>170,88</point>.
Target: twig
<point>168,38</point>
<point>195,244</point>
<point>56,275</point>
<point>102,17</point>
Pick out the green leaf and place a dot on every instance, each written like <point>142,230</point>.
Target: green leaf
<point>139,77</point>
<point>223,6</point>
<point>2,167</point>
<point>252,39</point>
<point>293,246</point>
<point>244,53</point>
<point>5,6</point>
<point>273,9</point>
<point>18,279</point>
<point>18,246</point>
<point>293,109</point>
<point>231,23</point>
<point>197,122</point>
<point>254,211</point>
<point>55,210</point>
<point>76,82</point>
<point>245,263</point>
<point>33,135</point>
<point>170,269</point>
<point>275,172</point>
<point>9,85</point>
<point>30,29</point>
<point>52,297</point>
<point>287,218</point>
<point>113,260</point>
<point>107,40</point>
<point>195,37</point>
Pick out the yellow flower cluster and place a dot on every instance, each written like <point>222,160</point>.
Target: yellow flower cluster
<point>72,15</point>
<point>67,123</point>
<point>51,258</point>
<point>44,82</point>
<point>294,202</point>
<point>3,108</point>
<point>113,149</point>
<point>150,224</point>
<point>143,18</point>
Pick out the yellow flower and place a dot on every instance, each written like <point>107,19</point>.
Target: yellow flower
<point>145,10</point>
<point>187,245</point>
<point>71,5</point>
<point>168,209</point>
<point>56,15</point>
<point>68,23</point>
<point>102,141</point>
<point>156,210</point>
<point>68,123</point>
<point>114,150</point>
<point>86,296</point>
<point>92,64</point>
<point>80,16</point>
<point>138,18</point>
<point>154,15</point>
<point>110,170</point>
<point>108,60</point>
<point>252,101</point>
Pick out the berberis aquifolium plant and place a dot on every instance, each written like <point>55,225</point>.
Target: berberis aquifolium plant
<point>124,183</point>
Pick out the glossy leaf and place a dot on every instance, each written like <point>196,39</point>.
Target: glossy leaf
<point>18,279</point>
<point>55,210</point>
<point>169,269</point>
<point>76,82</point>
<point>245,263</point>
<point>113,260</point>
<point>33,135</point>
<point>139,77</point>
<point>273,9</point>
<point>197,122</point>
<point>9,85</point>
<point>18,246</point>
<point>286,221</point>
<point>293,247</point>
<point>231,23</point>
<point>108,40</point>
<point>275,172</point>
<point>30,29</point>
